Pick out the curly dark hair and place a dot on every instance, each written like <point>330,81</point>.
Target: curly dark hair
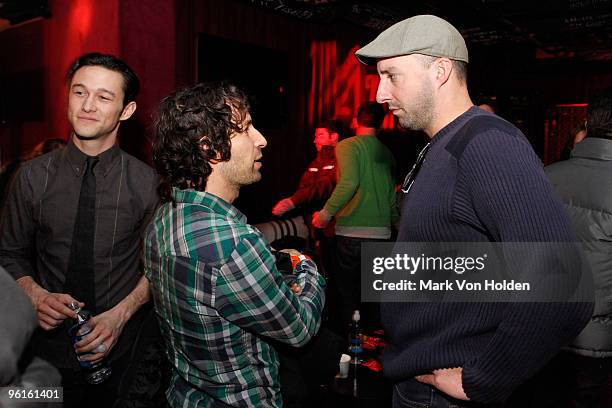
<point>193,128</point>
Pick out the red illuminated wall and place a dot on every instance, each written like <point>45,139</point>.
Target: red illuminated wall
<point>148,44</point>
<point>77,27</point>
<point>338,82</point>
<point>49,46</point>
<point>143,36</point>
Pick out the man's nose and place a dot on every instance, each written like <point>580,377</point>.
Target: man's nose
<point>259,140</point>
<point>382,95</point>
<point>88,104</point>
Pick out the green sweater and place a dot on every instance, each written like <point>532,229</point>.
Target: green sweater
<point>365,193</point>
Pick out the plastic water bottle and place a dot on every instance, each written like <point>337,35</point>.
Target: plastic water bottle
<point>355,338</point>
<point>95,373</point>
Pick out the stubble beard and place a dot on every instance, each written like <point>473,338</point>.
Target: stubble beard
<point>239,176</point>
<point>420,115</point>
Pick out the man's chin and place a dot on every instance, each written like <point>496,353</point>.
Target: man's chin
<point>406,123</point>
<point>85,136</point>
<point>256,177</point>
<point>247,181</point>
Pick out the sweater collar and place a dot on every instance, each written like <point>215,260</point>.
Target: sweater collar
<point>458,121</point>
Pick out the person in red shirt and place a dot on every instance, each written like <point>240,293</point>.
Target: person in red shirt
<point>319,179</point>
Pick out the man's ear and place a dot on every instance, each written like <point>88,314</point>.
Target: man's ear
<point>334,137</point>
<point>443,67</point>
<point>128,111</point>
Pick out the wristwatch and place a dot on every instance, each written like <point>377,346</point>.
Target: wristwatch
<point>295,259</point>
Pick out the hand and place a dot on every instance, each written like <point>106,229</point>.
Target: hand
<point>321,219</point>
<point>292,252</point>
<point>447,380</point>
<point>51,308</point>
<point>296,288</point>
<point>283,206</point>
<point>106,329</point>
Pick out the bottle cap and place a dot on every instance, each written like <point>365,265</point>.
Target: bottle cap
<point>75,306</point>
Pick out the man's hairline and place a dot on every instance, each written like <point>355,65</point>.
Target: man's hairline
<point>124,102</point>
<point>433,58</point>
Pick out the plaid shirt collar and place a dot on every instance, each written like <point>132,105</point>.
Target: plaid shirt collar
<point>216,204</point>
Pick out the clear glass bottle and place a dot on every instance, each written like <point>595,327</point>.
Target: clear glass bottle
<point>355,338</point>
<point>95,373</point>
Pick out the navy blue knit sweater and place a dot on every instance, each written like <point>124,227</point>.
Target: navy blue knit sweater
<point>484,184</point>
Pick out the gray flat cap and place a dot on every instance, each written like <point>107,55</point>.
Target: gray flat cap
<point>426,34</point>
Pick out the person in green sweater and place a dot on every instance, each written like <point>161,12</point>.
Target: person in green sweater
<point>363,204</point>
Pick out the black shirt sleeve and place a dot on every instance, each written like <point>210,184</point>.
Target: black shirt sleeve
<point>17,227</point>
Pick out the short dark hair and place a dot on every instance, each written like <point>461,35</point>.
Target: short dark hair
<point>193,128</point>
<point>461,70</point>
<point>131,84</point>
<point>599,115</point>
<point>370,114</point>
<point>331,125</point>
<point>460,67</point>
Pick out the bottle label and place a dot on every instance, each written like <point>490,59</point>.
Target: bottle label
<point>77,332</point>
<point>355,346</point>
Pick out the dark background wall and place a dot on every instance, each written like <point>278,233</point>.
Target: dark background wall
<point>290,139</point>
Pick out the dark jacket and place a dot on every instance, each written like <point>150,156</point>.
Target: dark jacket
<point>317,182</point>
<point>18,367</point>
<point>584,184</point>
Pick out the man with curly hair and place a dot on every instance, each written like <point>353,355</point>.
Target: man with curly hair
<point>218,294</point>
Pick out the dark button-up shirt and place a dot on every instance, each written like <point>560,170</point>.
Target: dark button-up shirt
<point>38,221</point>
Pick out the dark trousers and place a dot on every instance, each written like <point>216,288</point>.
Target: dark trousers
<point>589,378</point>
<point>413,394</point>
<point>568,381</point>
<point>347,277</point>
<point>79,393</point>
<point>139,377</point>
<point>303,370</point>
<point>325,257</point>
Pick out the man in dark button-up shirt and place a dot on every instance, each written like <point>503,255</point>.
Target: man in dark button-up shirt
<point>37,229</point>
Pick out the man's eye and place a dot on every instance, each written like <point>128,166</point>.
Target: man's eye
<point>79,93</point>
<point>104,98</point>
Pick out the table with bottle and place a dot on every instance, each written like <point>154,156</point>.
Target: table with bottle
<point>365,383</point>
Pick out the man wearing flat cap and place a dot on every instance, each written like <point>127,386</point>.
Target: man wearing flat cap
<point>480,181</point>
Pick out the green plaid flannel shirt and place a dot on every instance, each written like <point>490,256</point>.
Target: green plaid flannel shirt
<point>219,298</point>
